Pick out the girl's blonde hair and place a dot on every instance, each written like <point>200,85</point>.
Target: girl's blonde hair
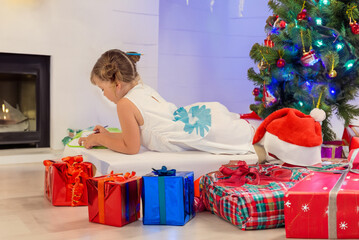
<point>116,65</point>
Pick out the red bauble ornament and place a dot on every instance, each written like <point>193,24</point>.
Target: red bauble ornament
<point>309,58</point>
<point>280,63</point>
<point>282,24</point>
<point>268,42</point>
<point>354,27</point>
<point>256,91</point>
<point>302,15</point>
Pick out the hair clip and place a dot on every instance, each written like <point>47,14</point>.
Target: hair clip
<point>133,54</point>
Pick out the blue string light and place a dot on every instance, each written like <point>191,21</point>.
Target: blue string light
<point>275,31</point>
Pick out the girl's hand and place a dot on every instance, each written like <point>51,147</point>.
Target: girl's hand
<point>100,129</point>
<point>89,142</point>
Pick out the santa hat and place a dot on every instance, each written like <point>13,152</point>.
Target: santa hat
<point>290,136</point>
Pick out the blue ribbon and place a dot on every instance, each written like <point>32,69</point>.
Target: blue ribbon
<point>164,172</point>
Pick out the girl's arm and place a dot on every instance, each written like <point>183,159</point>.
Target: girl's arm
<point>128,141</point>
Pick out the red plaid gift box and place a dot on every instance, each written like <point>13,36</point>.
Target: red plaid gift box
<point>258,203</point>
<point>351,136</point>
<point>65,181</point>
<point>325,204</point>
<point>114,199</point>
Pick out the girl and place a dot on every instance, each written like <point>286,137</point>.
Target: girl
<point>147,119</point>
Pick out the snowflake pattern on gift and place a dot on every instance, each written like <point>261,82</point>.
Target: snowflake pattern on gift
<point>343,225</point>
<point>288,203</point>
<point>197,117</point>
<point>305,208</point>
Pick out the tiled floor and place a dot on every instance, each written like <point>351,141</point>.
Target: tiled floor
<point>26,214</point>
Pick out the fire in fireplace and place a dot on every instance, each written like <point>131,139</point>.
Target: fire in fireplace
<point>24,100</point>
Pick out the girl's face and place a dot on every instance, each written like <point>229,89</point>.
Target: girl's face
<point>108,89</point>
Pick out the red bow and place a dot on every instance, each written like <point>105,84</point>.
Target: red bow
<point>240,176</point>
<point>117,177</point>
<point>255,176</point>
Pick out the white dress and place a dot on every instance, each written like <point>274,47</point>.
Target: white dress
<point>206,126</point>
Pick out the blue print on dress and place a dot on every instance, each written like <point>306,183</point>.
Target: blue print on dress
<point>198,118</point>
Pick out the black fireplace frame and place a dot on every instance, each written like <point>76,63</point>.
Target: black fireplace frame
<point>38,65</point>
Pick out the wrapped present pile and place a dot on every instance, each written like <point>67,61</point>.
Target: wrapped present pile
<point>250,197</point>
<point>312,190</point>
<point>114,199</point>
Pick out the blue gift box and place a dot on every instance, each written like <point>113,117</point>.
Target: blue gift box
<point>168,200</point>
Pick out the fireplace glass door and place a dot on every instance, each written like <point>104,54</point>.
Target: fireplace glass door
<point>18,102</point>
<point>24,100</point>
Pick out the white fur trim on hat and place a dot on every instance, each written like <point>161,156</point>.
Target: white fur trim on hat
<point>288,152</point>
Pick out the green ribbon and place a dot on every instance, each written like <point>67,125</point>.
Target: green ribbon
<point>162,199</point>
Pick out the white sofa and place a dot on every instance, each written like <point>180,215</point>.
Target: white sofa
<point>142,163</point>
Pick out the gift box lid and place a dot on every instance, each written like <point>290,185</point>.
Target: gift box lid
<point>318,182</point>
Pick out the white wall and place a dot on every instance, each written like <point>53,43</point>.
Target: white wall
<point>74,34</point>
<point>204,54</point>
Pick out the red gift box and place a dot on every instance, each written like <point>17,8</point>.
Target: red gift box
<point>325,204</point>
<point>65,181</point>
<point>114,199</point>
<point>351,136</point>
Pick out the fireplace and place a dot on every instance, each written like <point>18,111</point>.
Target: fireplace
<point>24,100</point>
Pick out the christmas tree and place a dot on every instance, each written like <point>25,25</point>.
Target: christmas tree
<point>309,59</point>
